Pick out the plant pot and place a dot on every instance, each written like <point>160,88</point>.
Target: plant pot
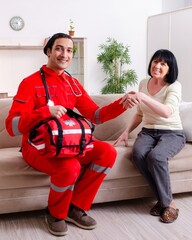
<point>71,33</point>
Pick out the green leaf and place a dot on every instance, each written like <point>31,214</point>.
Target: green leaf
<point>114,58</point>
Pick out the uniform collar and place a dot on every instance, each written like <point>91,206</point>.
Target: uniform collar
<point>51,72</point>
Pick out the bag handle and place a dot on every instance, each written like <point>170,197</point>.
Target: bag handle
<point>75,115</point>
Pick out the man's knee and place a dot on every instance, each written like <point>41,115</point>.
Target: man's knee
<point>68,169</point>
<point>105,152</point>
<point>111,154</point>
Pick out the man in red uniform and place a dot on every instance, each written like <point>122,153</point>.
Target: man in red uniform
<point>68,199</point>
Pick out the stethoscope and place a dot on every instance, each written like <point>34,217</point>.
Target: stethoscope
<point>77,93</point>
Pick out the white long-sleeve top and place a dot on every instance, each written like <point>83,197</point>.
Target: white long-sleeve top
<point>169,95</point>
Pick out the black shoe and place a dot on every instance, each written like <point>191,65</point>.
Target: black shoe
<point>80,219</point>
<point>55,226</point>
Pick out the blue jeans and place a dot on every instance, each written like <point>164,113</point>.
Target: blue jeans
<point>151,152</point>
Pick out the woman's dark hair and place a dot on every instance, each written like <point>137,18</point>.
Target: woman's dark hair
<point>169,58</point>
<point>52,39</point>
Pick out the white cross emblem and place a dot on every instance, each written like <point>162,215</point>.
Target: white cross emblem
<point>69,122</point>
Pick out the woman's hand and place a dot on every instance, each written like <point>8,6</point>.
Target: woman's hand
<point>130,99</point>
<point>123,137</point>
<point>57,111</point>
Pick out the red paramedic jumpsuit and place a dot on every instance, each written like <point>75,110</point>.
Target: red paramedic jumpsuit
<point>30,106</point>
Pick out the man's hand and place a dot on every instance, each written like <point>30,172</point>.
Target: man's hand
<point>130,99</point>
<point>57,111</point>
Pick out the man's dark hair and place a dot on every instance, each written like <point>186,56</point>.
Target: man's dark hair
<point>169,58</point>
<point>52,39</point>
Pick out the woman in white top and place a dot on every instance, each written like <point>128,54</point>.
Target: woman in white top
<point>162,135</point>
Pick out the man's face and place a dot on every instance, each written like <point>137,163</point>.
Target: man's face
<point>60,57</point>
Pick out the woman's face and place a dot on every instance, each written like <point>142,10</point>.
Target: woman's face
<point>159,69</point>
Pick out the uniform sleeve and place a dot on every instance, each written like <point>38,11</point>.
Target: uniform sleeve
<point>23,115</point>
<point>109,112</point>
<point>96,114</point>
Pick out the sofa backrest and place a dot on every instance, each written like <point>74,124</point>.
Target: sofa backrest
<point>5,139</point>
<point>111,130</point>
<point>107,131</point>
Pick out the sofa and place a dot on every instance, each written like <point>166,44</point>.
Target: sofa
<point>22,188</point>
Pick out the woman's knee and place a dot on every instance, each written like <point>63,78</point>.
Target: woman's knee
<point>138,156</point>
<point>155,160</point>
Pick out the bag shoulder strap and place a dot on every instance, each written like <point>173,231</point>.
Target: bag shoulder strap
<point>45,84</point>
<point>60,136</point>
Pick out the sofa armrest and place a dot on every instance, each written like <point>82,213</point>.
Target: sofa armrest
<point>6,141</point>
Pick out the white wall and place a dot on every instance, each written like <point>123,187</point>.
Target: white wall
<point>172,33</point>
<point>124,20</point>
<point>171,5</point>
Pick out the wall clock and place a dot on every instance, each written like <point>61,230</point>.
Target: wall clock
<point>17,23</point>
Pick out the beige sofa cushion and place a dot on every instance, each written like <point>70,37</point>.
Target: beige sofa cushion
<point>16,173</point>
<point>180,163</point>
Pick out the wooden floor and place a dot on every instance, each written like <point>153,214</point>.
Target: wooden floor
<point>125,220</point>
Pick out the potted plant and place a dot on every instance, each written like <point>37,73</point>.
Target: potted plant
<point>71,28</point>
<point>74,50</point>
<point>114,58</point>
